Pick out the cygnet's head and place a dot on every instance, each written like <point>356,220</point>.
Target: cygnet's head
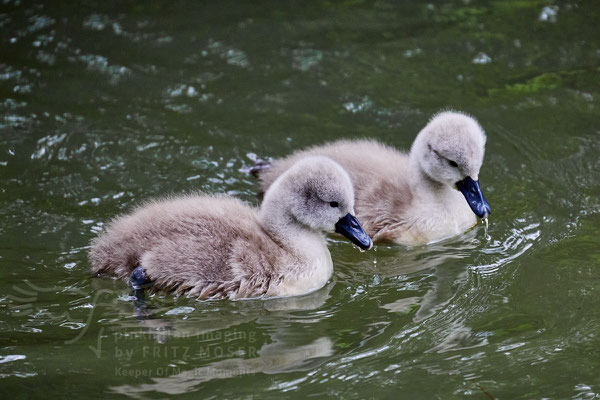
<point>450,150</point>
<point>317,193</point>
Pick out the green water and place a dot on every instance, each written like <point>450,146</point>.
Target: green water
<point>105,104</point>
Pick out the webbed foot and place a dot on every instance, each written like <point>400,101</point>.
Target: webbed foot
<point>139,281</point>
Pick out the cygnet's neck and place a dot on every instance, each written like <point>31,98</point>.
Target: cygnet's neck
<point>288,232</point>
<point>309,266</point>
<point>422,185</point>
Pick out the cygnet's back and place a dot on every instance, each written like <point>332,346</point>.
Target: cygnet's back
<point>366,161</point>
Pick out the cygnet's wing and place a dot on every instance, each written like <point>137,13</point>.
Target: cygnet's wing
<point>185,241</point>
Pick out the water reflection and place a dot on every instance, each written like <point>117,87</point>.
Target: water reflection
<point>209,329</point>
<point>273,358</point>
<point>157,316</point>
<point>438,267</point>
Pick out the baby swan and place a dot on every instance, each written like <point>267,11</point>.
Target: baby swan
<point>217,246</point>
<point>413,198</point>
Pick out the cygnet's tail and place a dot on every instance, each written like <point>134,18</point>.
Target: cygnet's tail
<point>259,167</point>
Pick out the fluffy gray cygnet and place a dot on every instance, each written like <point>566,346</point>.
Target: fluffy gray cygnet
<point>217,246</point>
<point>410,198</point>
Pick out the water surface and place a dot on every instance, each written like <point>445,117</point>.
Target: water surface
<point>103,105</point>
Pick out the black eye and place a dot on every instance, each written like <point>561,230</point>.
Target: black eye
<point>453,163</point>
<point>334,204</point>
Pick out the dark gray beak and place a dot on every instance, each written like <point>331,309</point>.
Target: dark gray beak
<point>472,192</point>
<point>349,227</point>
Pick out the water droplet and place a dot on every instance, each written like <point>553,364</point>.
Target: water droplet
<point>549,14</point>
<point>482,58</point>
<point>486,226</point>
